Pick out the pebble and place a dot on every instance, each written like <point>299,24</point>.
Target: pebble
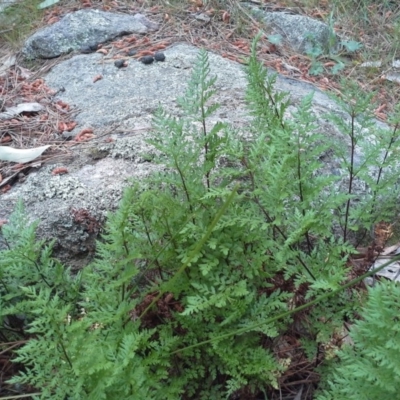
<point>119,63</point>
<point>88,48</point>
<point>159,56</point>
<point>132,52</point>
<point>147,59</point>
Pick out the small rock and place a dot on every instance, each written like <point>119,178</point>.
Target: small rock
<point>97,154</point>
<point>132,52</point>
<point>302,33</point>
<point>202,17</point>
<point>68,135</point>
<point>86,49</point>
<point>119,63</point>
<point>396,64</point>
<point>371,64</point>
<point>147,59</point>
<point>392,77</point>
<point>159,56</point>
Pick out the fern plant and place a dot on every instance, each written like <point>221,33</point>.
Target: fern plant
<point>370,367</point>
<point>232,234</point>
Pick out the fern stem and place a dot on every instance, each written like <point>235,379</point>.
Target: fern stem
<point>171,235</point>
<point>392,140</point>
<point>155,258</point>
<point>185,189</point>
<point>203,121</point>
<point>150,241</point>
<point>270,220</point>
<point>299,259</point>
<point>65,354</point>
<point>299,179</point>
<point>40,273</point>
<point>275,108</point>
<point>351,176</point>
<point>123,292</point>
<point>21,396</point>
<point>4,285</point>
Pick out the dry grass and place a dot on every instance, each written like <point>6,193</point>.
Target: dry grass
<point>18,21</point>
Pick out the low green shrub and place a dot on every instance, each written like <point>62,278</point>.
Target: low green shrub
<point>199,273</point>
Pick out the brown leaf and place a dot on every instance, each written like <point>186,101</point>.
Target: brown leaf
<point>62,126</point>
<point>383,232</point>
<point>226,17</point>
<point>5,139</point>
<point>59,171</point>
<point>97,78</point>
<point>71,126</point>
<point>53,20</point>
<point>86,137</point>
<point>5,189</point>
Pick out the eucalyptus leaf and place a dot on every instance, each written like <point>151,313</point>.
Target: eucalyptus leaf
<point>11,112</point>
<point>47,3</point>
<point>21,155</point>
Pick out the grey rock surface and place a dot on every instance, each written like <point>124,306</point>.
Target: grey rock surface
<point>120,106</point>
<point>83,28</point>
<point>129,96</point>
